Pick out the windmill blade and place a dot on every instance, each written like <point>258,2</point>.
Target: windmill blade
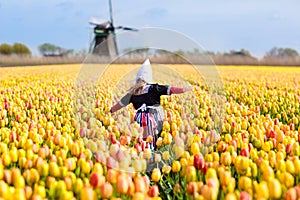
<point>126,28</point>
<point>98,22</point>
<point>111,12</point>
<point>91,46</point>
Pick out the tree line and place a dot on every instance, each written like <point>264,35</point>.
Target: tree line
<point>275,56</point>
<point>275,52</point>
<point>45,49</point>
<point>48,49</point>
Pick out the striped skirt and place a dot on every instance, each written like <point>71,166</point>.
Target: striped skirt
<point>149,122</point>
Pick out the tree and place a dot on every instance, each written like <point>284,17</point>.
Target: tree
<point>21,49</point>
<point>81,52</point>
<point>162,52</point>
<point>144,51</point>
<point>6,49</point>
<point>282,52</point>
<point>245,52</point>
<point>179,53</point>
<point>48,49</point>
<point>242,52</point>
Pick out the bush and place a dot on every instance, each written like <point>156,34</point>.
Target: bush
<point>21,49</point>
<point>6,49</point>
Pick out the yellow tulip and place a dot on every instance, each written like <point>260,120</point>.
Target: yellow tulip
<point>191,174</point>
<point>176,166</point>
<point>262,190</point>
<point>274,188</point>
<point>245,183</point>
<point>166,155</point>
<point>156,175</point>
<point>166,169</point>
<point>195,148</point>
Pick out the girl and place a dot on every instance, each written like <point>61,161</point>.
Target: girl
<point>145,98</point>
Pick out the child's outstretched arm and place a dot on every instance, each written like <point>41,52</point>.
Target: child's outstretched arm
<point>124,101</point>
<point>116,107</point>
<point>177,90</point>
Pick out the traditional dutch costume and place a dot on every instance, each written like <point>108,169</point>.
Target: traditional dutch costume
<point>149,113</point>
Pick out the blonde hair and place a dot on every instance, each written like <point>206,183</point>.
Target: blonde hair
<point>138,87</point>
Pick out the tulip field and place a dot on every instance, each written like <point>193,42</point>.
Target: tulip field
<point>47,152</point>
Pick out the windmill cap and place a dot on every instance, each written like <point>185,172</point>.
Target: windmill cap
<point>145,72</point>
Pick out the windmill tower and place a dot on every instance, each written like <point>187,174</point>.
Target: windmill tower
<point>104,42</point>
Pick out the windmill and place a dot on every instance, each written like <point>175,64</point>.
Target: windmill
<point>104,42</point>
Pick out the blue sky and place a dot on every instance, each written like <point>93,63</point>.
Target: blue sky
<point>217,25</point>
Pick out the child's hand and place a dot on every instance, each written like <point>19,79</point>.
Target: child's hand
<point>188,88</point>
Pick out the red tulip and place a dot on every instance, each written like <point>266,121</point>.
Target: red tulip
<point>192,188</point>
<point>96,179</point>
<point>13,136</point>
<point>82,132</point>
<point>288,148</point>
<point>244,196</point>
<point>245,152</point>
<point>273,134</point>
<point>113,139</point>
<point>292,126</point>
<point>198,161</point>
<point>203,170</point>
<point>250,146</point>
<point>138,147</point>
<point>154,191</point>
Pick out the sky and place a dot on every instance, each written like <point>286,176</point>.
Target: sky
<point>217,25</point>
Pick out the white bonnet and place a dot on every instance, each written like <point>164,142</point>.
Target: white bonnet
<point>145,72</point>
